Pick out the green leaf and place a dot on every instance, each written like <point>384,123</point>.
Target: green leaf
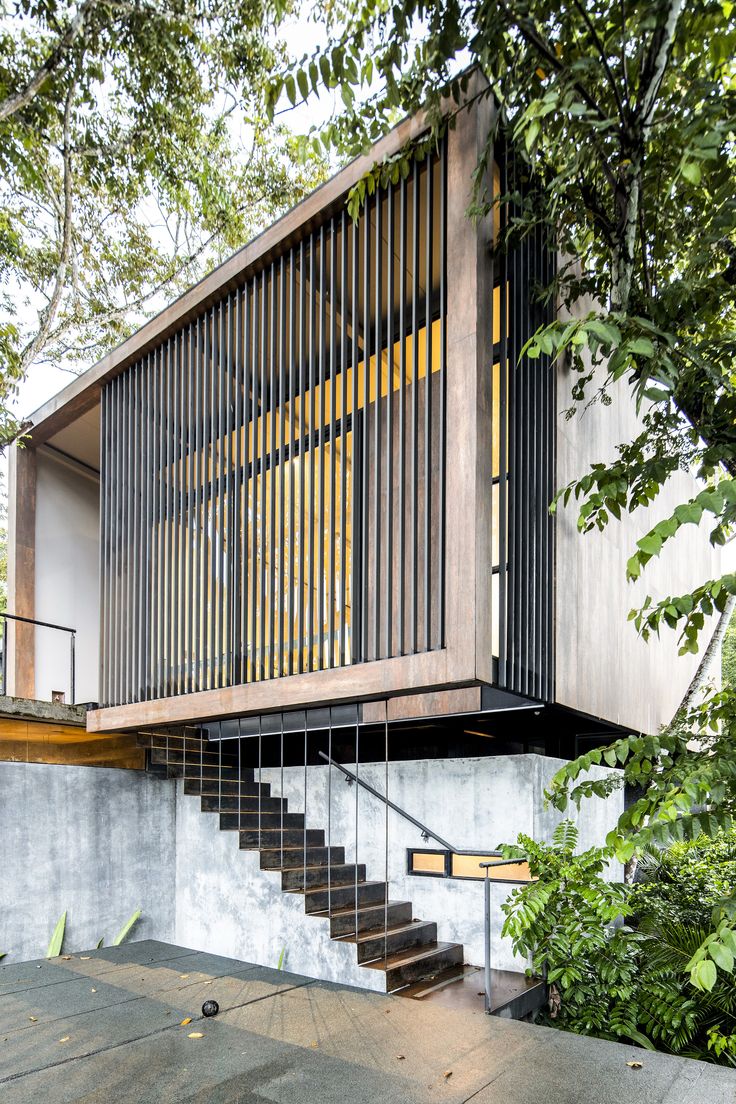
<point>691,171</point>
<point>704,975</point>
<point>651,544</point>
<point>126,928</point>
<point>57,939</point>
<point>532,133</point>
<point>641,346</point>
<point>721,956</point>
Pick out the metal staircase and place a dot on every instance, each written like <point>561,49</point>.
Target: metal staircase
<point>386,935</point>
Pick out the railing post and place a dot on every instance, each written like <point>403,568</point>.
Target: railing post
<point>487,937</point>
<point>72,679</point>
<point>5,655</point>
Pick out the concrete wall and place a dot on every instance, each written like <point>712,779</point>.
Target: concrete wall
<point>226,904</point>
<point>94,841</point>
<point>101,843</point>
<point>67,576</point>
<point>603,667</point>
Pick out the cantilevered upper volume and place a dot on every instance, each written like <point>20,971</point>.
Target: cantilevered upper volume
<point>324,477</point>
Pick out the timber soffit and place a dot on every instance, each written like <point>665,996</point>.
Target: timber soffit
<point>83,393</point>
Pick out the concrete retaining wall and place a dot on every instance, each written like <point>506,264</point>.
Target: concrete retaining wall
<point>102,842</point>
<point>97,842</point>
<point>225,903</point>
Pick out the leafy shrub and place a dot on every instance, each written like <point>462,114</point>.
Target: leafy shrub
<point>619,959</point>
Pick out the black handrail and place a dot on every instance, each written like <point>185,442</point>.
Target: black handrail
<point>427,833</point>
<point>43,625</point>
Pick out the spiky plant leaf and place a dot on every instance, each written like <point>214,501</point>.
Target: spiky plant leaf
<point>126,928</point>
<point>57,939</point>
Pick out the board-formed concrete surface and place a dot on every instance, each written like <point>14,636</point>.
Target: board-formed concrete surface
<point>106,1027</point>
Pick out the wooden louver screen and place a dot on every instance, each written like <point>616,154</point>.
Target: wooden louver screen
<point>273,473</point>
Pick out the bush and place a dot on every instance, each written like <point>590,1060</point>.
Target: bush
<point>617,957</point>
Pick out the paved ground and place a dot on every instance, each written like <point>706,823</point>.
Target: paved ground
<point>106,1027</point>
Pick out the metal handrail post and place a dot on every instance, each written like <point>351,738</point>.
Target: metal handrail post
<point>72,673</point>
<point>487,939</point>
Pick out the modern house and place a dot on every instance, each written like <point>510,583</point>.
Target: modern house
<point>299,523</point>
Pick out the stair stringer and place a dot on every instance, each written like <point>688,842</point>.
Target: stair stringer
<point>226,904</point>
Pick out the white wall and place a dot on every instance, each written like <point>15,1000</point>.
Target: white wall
<point>67,576</point>
<point>603,667</point>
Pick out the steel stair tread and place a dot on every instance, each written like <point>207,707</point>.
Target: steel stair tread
<point>395,929</point>
<point>349,910</point>
<point>356,908</point>
<point>321,889</point>
<point>410,955</point>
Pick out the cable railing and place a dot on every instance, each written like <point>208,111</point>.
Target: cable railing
<point>41,625</point>
<point>427,834</point>
<point>299,843</point>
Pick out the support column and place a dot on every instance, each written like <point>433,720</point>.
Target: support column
<point>21,570</point>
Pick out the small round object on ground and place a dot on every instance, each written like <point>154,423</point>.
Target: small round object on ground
<point>210,1008</point>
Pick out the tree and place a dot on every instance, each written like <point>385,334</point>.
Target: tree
<point>134,154</point>
<point>623,112</point>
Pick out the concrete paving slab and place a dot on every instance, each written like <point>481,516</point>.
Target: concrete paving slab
<point>283,1039</point>
<point>32,975</point>
<point>144,951</point>
<point>24,1011</point>
<point>448,1051</point>
<point>224,1067</point>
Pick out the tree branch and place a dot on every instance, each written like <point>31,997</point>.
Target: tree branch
<point>14,103</point>
<point>602,52</point>
<point>31,350</point>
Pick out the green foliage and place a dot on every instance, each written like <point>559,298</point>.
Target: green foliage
<point>57,938</point>
<point>566,923</point>
<point>135,154</point>
<point>631,962</point>
<point>686,882</point>
<point>684,779</point>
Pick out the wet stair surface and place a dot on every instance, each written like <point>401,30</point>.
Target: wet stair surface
<point>386,935</point>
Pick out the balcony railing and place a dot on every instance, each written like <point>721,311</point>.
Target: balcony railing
<point>72,633</point>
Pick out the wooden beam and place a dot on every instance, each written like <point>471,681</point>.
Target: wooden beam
<point>21,570</point>
<point>440,703</point>
<point>469,423</point>
<point>382,678</point>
